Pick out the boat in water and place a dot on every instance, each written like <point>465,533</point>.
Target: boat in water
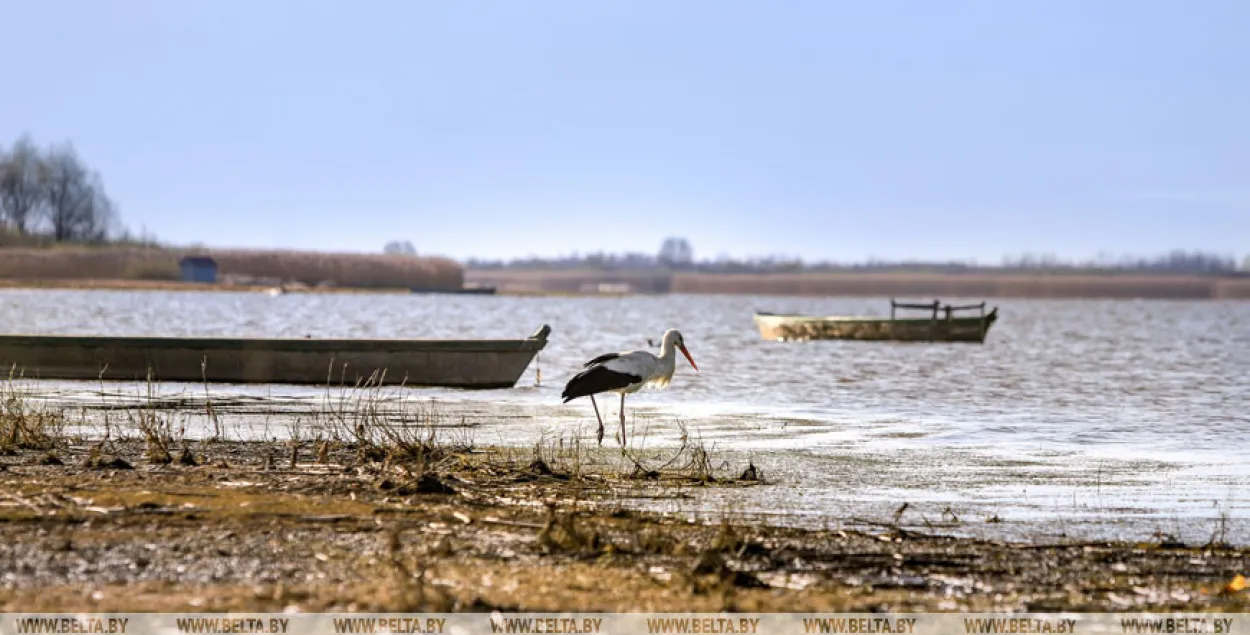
<point>465,290</point>
<point>941,325</point>
<point>495,363</point>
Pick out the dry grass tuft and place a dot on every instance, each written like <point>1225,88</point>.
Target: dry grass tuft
<point>364,416</point>
<point>156,429</point>
<point>26,426</point>
<point>690,462</point>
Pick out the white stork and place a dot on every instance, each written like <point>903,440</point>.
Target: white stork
<point>625,373</point>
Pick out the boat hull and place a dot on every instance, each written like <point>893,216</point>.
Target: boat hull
<point>450,363</point>
<point>461,291</point>
<point>804,327</point>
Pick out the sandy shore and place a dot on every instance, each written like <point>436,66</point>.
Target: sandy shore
<point>255,526</point>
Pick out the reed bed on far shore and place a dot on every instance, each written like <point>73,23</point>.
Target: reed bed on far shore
<point>1022,285</point>
<point>306,267</point>
<point>872,284</point>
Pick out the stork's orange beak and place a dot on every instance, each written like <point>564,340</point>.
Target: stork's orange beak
<point>688,357</point>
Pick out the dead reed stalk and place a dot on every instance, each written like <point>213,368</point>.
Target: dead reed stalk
<point>24,425</point>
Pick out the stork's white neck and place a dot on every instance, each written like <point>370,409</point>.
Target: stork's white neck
<point>668,357</point>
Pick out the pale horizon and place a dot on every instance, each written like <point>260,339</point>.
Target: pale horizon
<point>968,130</point>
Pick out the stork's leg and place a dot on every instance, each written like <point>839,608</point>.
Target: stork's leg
<point>622,420</point>
<point>592,402</point>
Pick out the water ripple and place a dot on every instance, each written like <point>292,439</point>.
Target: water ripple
<point>1144,389</point>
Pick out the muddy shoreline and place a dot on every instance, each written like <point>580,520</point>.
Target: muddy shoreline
<point>254,526</point>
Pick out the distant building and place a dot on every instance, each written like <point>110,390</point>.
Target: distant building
<point>199,269</point>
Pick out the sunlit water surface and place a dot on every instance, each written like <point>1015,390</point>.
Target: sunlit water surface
<point>1076,419</point>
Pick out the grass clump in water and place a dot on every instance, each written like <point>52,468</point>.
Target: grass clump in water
<point>25,426</point>
<point>408,436</point>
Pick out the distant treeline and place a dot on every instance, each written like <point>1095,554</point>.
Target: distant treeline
<point>49,195</point>
<point>1122,285</point>
<point>917,285</point>
<point>1175,262</point>
<point>57,223</point>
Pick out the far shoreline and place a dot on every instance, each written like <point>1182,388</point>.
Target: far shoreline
<point>812,285</point>
<point>858,284</point>
<point>175,285</point>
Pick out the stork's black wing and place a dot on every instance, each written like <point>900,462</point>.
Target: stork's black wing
<point>595,380</point>
<point>601,359</point>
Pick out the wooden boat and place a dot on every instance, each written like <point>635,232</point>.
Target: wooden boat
<point>454,363</point>
<point>940,326</point>
<point>461,291</point>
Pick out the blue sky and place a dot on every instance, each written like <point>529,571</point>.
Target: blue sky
<point>827,129</point>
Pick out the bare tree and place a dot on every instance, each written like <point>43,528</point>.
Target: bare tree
<point>54,194</point>
<point>20,192</point>
<point>676,252</point>
<point>76,206</point>
<point>103,214</point>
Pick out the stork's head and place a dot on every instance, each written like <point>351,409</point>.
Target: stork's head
<point>672,337</point>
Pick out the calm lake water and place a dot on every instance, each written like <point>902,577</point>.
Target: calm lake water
<point>1076,418</point>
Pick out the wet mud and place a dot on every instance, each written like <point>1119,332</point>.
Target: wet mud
<point>259,526</point>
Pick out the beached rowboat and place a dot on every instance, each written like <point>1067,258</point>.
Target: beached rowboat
<point>454,363</point>
<point>941,326</point>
